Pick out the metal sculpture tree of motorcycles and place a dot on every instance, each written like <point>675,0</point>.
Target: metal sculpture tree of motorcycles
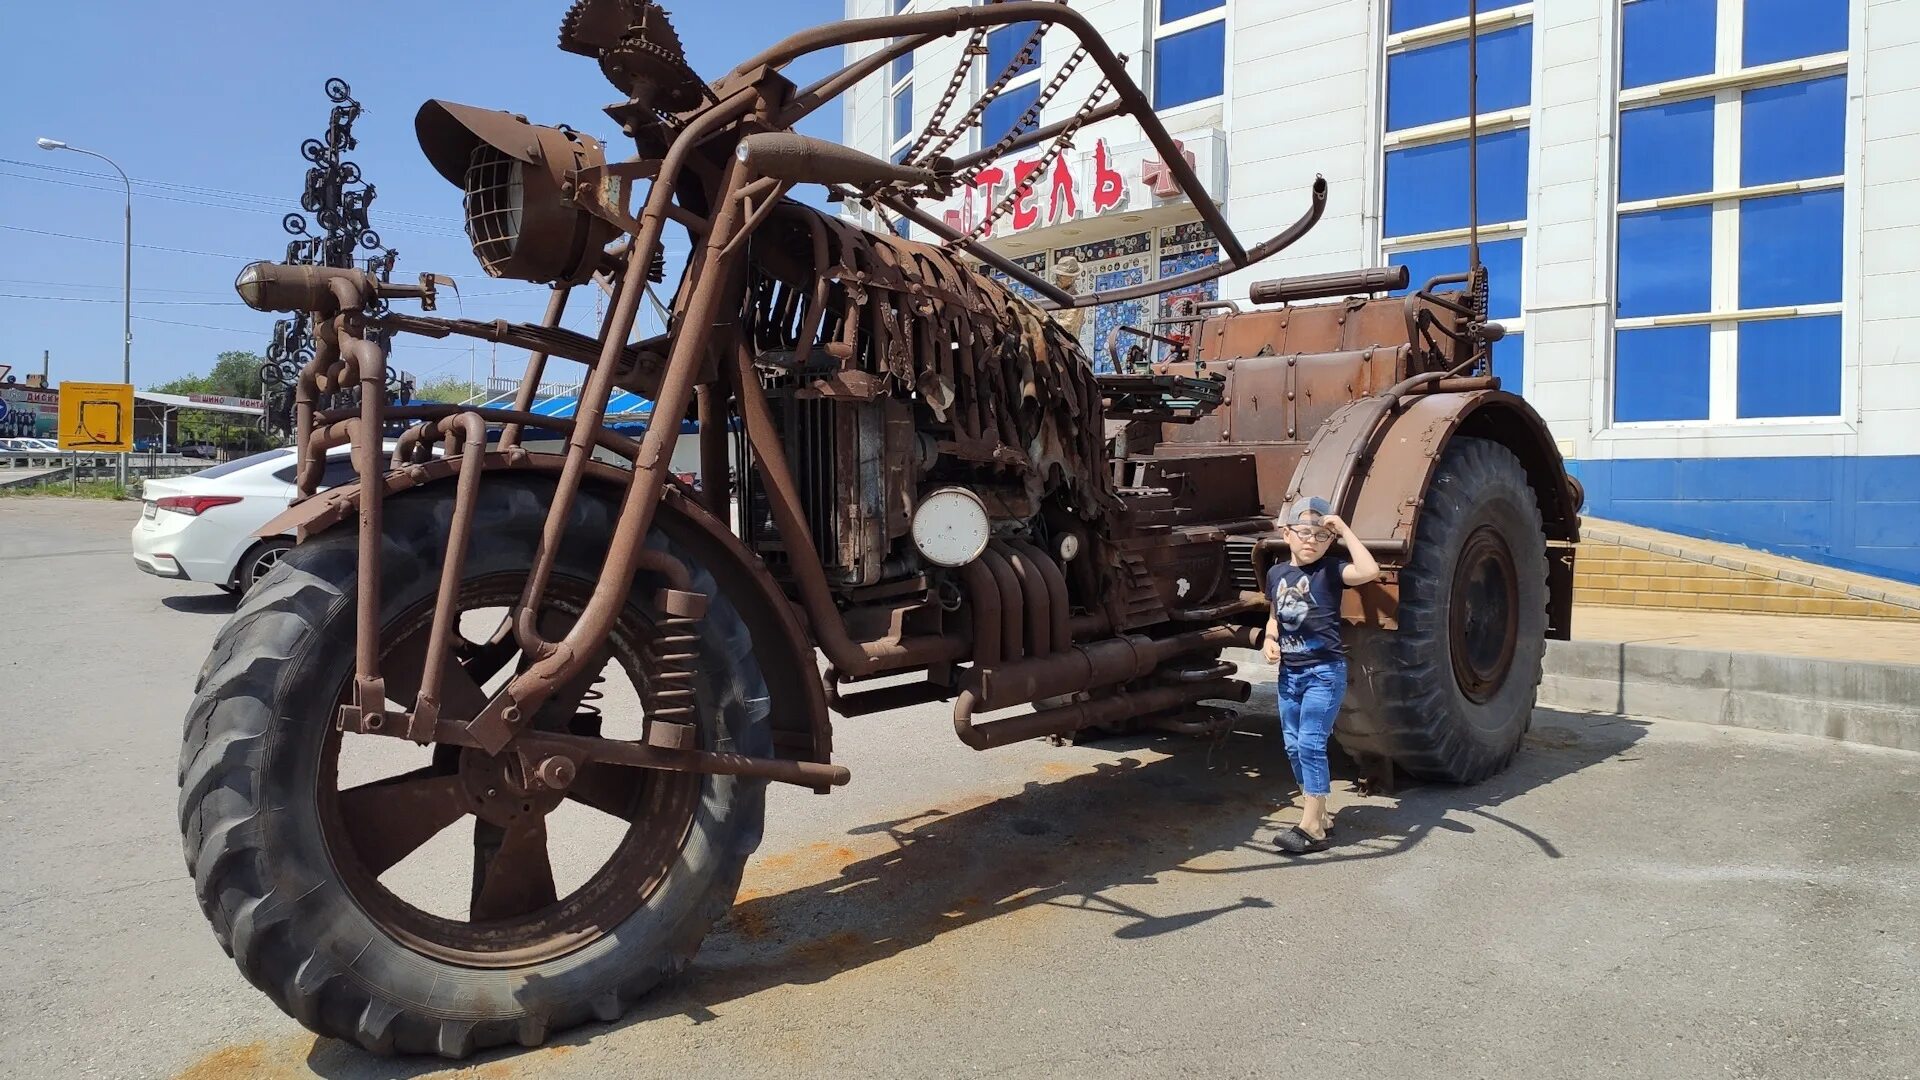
<point>339,198</point>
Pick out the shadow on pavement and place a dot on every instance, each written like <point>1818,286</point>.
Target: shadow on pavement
<point>213,603</point>
<point>1062,845</point>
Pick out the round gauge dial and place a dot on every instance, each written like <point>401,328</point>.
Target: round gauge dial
<point>950,527</point>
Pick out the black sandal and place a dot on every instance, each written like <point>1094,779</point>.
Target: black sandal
<point>1298,841</point>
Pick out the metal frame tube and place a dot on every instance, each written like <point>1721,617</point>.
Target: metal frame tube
<point>536,366</point>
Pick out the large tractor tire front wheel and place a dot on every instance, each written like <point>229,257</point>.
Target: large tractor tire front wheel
<point>434,899</point>
<point>1449,694</point>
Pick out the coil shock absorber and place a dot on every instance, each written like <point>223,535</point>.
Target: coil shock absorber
<point>672,694</point>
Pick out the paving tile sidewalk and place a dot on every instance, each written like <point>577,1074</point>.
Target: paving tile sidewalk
<point>1885,641</point>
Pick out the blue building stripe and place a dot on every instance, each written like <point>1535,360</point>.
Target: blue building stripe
<point>1856,513</point>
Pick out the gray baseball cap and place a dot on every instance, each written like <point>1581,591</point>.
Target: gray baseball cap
<point>1313,504</point>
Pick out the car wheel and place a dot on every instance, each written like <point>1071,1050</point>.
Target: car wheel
<point>259,561</point>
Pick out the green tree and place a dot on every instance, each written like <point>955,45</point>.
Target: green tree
<point>235,373</point>
<point>447,389</point>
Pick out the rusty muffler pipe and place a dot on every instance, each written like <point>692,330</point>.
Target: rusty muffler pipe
<point>983,598</point>
<point>1286,290</point>
<point>1033,599</point>
<point>1012,629</point>
<point>801,159</point>
<point>1066,719</point>
<point>1059,628</point>
<point>1095,664</point>
<point>885,699</point>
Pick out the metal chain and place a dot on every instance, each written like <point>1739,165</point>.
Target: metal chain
<point>976,46</point>
<point>971,118</point>
<point>1032,115</point>
<point>1060,146</point>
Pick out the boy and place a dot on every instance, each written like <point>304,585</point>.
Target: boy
<point>1303,635</point>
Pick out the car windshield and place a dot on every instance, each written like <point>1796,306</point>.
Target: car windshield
<point>242,463</point>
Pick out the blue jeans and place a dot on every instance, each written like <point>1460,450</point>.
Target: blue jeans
<point>1309,705</point>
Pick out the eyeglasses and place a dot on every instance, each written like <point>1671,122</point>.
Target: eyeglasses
<point>1309,532</point>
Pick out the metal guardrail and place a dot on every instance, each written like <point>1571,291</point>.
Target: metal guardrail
<point>69,466</point>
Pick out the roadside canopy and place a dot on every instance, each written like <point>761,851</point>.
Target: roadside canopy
<point>205,403</point>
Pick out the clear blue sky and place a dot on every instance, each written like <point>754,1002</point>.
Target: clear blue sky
<point>214,104</point>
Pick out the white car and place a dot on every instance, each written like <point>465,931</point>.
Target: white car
<point>201,527</point>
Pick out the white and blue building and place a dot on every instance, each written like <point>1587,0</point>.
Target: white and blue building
<point>1702,218</point>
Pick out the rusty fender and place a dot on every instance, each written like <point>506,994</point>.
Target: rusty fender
<point>1374,459</point>
<point>802,729</point>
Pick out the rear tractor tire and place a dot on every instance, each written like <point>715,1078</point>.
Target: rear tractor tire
<point>290,847</point>
<point>1449,694</point>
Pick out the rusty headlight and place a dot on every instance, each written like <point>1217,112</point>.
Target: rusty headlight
<point>518,181</point>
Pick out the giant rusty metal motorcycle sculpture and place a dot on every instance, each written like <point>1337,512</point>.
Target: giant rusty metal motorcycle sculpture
<point>931,481</point>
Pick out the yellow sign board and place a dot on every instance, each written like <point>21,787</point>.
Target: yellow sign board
<point>96,416</point>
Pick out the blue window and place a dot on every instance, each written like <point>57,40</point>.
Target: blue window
<point>1413,14</point>
<point>1666,40</point>
<point>900,5</point>
<point>1171,10</point>
<point>1790,29</point>
<point>1790,248</point>
<point>1427,185</point>
<point>1190,66</point>
<point>1666,150</point>
<point>1510,362</point>
<point>901,67</point>
<point>903,113</point>
<point>1790,367</point>
<point>1004,44</point>
<point>1007,110</point>
<point>1503,271</point>
<point>1666,262</point>
<point>1426,86</point>
<point>900,228</point>
<point>1793,132</point>
<point>1660,373</point>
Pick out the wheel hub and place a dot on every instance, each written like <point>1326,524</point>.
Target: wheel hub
<point>1483,617</point>
<point>516,914</point>
<point>500,792</point>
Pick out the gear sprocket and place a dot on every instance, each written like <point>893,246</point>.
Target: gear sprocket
<point>638,49</point>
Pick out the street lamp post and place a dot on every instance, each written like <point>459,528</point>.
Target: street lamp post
<point>126,275</point>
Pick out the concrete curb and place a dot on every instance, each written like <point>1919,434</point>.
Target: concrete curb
<point>1869,703</point>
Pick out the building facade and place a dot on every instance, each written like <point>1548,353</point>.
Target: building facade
<point>1701,217</point>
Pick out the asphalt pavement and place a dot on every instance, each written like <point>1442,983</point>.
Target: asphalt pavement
<point>1636,899</point>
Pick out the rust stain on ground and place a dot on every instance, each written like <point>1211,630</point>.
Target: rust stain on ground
<point>1058,770</point>
<point>252,1061</point>
<point>833,948</point>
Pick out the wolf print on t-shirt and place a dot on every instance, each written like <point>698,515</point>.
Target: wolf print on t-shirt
<point>1293,604</point>
<point>1306,609</point>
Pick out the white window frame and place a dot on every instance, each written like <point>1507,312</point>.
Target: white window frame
<point>1181,26</point>
<point>899,140</point>
<point>1490,123</point>
<point>1729,80</point>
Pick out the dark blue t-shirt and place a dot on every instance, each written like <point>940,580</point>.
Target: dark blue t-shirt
<point>1306,603</point>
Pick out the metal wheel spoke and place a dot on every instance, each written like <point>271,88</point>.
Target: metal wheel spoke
<point>514,878</point>
<point>389,819</point>
<point>610,789</point>
<point>485,659</point>
<point>403,666</point>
